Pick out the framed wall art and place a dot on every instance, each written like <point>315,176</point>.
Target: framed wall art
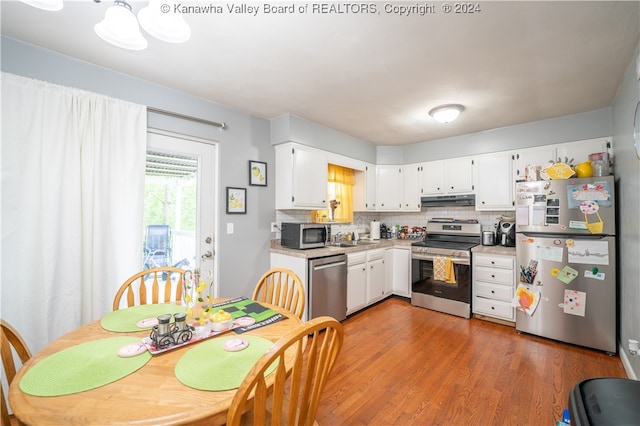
<point>257,173</point>
<point>236,200</point>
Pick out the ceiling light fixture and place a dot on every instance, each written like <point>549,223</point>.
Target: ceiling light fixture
<point>446,113</point>
<point>161,20</point>
<point>120,27</point>
<point>51,5</point>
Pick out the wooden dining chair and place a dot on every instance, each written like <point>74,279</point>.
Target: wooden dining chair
<point>138,287</point>
<point>283,288</point>
<point>10,342</point>
<point>294,396</point>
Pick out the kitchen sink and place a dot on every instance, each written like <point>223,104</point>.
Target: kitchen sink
<point>357,243</point>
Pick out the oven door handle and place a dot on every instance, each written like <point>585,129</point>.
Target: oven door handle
<point>455,260</point>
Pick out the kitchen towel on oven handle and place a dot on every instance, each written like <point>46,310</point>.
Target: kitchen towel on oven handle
<point>443,269</point>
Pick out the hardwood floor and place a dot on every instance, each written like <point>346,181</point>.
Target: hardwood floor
<point>403,365</point>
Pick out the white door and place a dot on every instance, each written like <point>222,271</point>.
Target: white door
<point>181,191</point>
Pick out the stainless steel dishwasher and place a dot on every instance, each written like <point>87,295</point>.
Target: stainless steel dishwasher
<point>328,287</point>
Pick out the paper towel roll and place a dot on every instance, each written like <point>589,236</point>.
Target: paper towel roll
<point>375,230</point>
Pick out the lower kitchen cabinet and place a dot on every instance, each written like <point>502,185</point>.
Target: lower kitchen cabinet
<point>494,280</point>
<point>398,269</point>
<point>375,275</point>
<point>356,281</point>
<point>365,279</point>
<point>300,266</point>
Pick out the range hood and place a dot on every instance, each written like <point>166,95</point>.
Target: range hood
<point>448,200</point>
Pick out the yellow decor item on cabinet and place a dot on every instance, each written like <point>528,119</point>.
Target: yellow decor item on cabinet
<point>556,171</point>
<point>584,170</point>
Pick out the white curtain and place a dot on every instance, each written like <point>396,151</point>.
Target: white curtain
<point>72,204</point>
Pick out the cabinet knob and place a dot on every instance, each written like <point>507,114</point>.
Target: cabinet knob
<point>493,276</point>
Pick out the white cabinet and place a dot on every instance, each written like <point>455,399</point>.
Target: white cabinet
<point>494,281</point>
<point>301,177</point>
<point>493,181</point>
<point>432,178</point>
<point>366,278</point>
<point>299,265</point>
<point>398,188</point>
<point>454,176</point>
<point>398,268</point>
<point>364,190</point>
<point>356,281</point>
<point>458,176</point>
<point>375,275</point>
<point>410,188</point>
<point>388,187</point>
<point>537,156</point>
<point>579,151</point>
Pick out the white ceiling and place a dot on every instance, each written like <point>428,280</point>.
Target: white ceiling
<point>373,76</point>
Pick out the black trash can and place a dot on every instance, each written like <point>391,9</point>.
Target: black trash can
<point>605,401</point>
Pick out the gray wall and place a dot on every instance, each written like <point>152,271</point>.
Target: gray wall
<point>243,256</point>
<point>588,125</point>
<point>627,171</point>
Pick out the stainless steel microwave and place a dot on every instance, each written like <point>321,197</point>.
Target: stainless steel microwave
<point>304,235</point>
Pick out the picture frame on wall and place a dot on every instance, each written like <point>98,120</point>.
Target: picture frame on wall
<point>236,200</point>
<point>257,173</point>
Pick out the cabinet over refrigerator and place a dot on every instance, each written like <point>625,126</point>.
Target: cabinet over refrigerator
<point>566,255</point>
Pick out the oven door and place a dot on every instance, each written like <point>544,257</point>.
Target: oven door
<point>423,282</point>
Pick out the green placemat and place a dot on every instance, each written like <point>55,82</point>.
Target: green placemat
<point>125,320</point>
<point>82,367</point>
<point>209,367</point>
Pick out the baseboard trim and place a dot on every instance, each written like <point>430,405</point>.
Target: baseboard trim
<point>626,364</point>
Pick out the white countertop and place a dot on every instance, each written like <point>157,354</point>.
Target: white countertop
<point>276,247</point>
<point>509,251</point>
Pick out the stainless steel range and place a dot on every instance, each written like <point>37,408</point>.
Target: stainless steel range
<point>441,266</point>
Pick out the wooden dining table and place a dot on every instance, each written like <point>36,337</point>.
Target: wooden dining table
<point>150,395</point>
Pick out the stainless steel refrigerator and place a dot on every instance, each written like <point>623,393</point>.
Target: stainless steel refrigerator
<point>566,260</point>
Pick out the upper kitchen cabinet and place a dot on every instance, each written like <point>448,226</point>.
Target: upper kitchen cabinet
<point>578,152</point>
<point>397,188</point>
<point>493,181</point>
<point>389,187</point>
<point>301,177</point>
<point>410,188</point>
<point>537,156</point>
<point>453,176</point>
<point>364,191</point>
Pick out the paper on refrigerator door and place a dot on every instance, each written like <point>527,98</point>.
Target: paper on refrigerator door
<point>575,302</point>
<point>589,252</point>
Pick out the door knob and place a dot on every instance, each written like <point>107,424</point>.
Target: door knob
<point>207,254</point>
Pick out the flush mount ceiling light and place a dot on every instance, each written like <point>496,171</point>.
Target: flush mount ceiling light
<point>120,27</point>
<point>161,20</point>
<point>446,113</point>
<point>52,5</point>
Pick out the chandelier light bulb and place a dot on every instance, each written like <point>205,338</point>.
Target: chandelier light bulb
<point>120,27</point>
<point>50,5</point>
<point>161,20</point>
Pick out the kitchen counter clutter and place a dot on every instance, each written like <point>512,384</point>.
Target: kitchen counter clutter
<point>276,247</point>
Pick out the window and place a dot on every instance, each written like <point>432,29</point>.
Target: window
<point>339,191</point>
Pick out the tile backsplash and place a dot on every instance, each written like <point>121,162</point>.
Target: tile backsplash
<point>361,220</point>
